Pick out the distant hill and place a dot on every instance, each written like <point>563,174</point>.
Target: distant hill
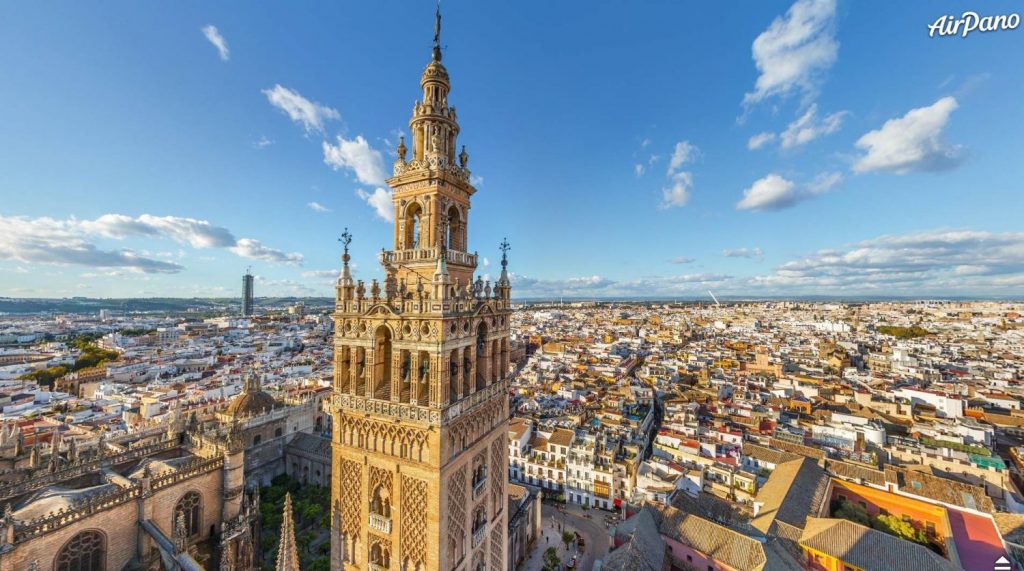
<point>85,305</point>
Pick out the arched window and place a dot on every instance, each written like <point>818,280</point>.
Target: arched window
<point>482,356</point>
<point>86,551</point>
<point>453,241</point>
<point>257,439</point>
<point>382,363</point>
<point>278,432</point>
<point>412,226</point>
<point>380,503</point>
<point>380,555</point>
<point>190,505</point>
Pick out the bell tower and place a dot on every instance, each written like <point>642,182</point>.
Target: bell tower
<point>421,363</point>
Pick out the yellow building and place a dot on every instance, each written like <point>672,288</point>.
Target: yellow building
<point>420,398</point>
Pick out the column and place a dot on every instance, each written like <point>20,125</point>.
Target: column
<point>355,353</point>
<point>460,381</point>
<point>396,374</point>
<point>414,376</point>
<point>473,368</point>
<point>369,372</point>
<point>438,381</point>
<point>486,359</point>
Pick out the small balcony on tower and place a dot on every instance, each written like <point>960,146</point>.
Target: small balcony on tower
<point>479,525</point>
<point>479,481</point>
<point>427,255</point>
<point>380,511</point>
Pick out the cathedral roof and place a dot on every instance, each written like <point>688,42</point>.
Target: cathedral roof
<point>252,401</point>
<point>250,404</point>
<point>54,498</point>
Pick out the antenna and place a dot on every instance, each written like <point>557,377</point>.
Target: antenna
<point>714,298</point>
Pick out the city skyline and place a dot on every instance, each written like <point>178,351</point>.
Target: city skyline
<point>807,148</point>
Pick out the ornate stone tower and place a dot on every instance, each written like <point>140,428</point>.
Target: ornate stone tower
<point>420,374</point>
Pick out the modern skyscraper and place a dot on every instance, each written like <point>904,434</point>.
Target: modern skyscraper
<point>247,293</point>
<point>420,399</point>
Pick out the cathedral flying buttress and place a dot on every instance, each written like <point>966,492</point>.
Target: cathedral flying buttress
<point>421,363</point>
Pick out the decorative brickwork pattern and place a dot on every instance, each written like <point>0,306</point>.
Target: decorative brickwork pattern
<point>457,512</point>
<point>414,522</point>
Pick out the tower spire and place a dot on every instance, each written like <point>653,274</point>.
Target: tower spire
<point>437,32</point>
<point>287,553</point>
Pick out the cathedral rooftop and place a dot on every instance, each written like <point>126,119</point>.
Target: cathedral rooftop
<point>252,401</point>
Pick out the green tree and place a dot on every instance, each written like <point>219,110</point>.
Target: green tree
<point>851,511</point>
<point>567,538</point>
<point>551,560</point>
<point>320,564</point>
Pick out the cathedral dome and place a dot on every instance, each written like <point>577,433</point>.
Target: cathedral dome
<point>252,401</point>
<point>250,404</point>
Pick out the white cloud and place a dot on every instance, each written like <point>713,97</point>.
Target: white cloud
<point>769,193</point>
<point>317,207</point>
<point>795,51</point>
<point>950,261</point>
<point>476,180</point>
<point>774,192</point>
<point>310,114</point>
<point>682,260</point>
<point>380,200</point>
<point>218,41</point>
<point>63,242</point>
<point>683,153</point>
<point>51,241</point>
<point>678,193</point>
<point>824,182</point>
<point>638,170</point>
<point>749,253</point>
<point>323,274</point>
<point>487,262</point>
<point>601,286</point>
<point>253,249</point>
<point>263,143</point>
<point>807,127</point>
<point>357,155</point>
<point>759,140</point>
<point>197,233</point>
<point>913,142</point>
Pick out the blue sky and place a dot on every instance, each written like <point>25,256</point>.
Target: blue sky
<point>657,148</point>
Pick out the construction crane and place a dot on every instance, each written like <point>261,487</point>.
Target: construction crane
<point>714,298</point>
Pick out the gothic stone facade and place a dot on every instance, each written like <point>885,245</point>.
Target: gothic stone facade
<point>420,398</point>
<point>142,504</point>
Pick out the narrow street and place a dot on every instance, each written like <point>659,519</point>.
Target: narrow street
<point>556,518</point>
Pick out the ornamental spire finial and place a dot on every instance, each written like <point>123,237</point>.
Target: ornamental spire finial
<point>346,239</point>
<point>504,247</point>
<point>437,32</point>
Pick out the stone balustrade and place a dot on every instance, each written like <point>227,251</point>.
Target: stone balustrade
<point>53,521</point>
<point>478,487</point>
<point>412,412</point>
<point>38,480</point>
<point>380,523</point>
<point>427,254</point>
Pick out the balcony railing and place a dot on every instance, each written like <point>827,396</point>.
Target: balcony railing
<point>427,254</point>
<point>380,523</point>
<point>478,535</point>
<point>478,487</point>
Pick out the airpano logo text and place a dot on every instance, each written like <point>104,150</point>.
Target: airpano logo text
<point>972,22</point>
